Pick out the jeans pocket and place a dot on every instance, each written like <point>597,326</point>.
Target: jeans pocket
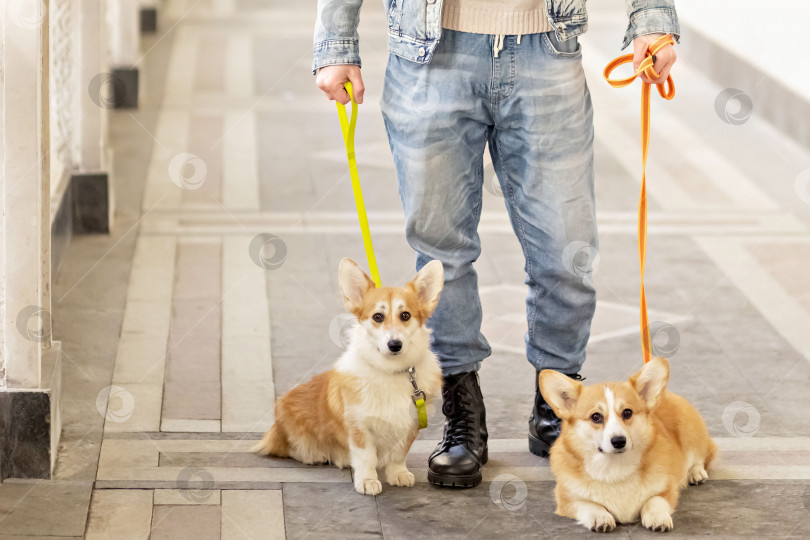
<point>568,48</point>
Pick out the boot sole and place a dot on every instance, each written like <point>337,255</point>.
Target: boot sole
<point>458,481</point>
<point>538,447</point>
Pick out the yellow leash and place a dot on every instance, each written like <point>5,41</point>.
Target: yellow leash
<point>347,127</point>
<point>666,91</point>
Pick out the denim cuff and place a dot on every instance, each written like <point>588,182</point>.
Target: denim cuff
<point>456,370</point>
<point>661,20</point>
<point>335,52</point>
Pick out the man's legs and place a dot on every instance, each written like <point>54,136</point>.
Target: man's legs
<point>542,151</point>
<point>438,122</point>
<point>437,126</point>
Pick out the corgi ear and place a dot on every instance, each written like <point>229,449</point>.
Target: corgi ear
<point>428,284</point>
<point>354,284</point>
<point>560,391</point>
<point>651,381</point>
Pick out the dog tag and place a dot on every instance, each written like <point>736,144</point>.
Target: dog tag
<point>421,411</point>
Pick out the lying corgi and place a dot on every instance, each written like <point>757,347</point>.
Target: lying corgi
<point>363,412</point>
<point>626,449</point>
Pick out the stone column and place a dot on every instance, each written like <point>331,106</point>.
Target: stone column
<point>123,18</point>
<point>93,99</point>
<point>98,91</point>
<point>29,361</point>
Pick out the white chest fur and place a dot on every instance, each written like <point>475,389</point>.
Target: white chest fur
<point>388,411</point>
<point>385,404</point>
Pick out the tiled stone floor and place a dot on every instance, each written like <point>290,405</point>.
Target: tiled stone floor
<point>180,328</point>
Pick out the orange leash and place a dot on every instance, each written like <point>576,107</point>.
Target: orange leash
<point>667,91</point>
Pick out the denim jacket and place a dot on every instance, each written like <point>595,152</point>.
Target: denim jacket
<point>415,26</point>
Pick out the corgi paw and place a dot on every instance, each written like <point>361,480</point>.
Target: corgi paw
<point>402,478</point>
<point>600,522</point>
<point>368,486</point>
<point>697,475</point>
<point>657,521</point>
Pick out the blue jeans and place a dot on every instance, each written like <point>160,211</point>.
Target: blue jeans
<point>531,104</point>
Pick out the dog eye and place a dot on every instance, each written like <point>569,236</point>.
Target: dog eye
<point>626,414</point>
<point>404,315</point>
<point>596,418</point>
<point>378,317</point>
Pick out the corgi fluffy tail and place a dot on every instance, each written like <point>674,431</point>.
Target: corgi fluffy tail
<point>274,443</point>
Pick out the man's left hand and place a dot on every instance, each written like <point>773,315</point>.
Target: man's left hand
<point>663,58</point>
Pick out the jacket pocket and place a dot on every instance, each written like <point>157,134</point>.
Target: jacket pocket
<point>413,18</point>
<point>393,15</point>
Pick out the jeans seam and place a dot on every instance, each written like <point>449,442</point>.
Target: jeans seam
<point>512,61</point>
<point>479,208</point>
<point>522,235</point>
<point>479,205</point>
<point>493,100</point>
<point>513,77</point>
<point>496,96</point>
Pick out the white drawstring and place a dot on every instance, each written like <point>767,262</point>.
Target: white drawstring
<point>498,45</point>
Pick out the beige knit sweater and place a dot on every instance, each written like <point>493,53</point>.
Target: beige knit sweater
<point>507,17</point>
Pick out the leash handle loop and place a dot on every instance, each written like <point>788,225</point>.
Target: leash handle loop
<point>347,126</point>
<point>667,91</point>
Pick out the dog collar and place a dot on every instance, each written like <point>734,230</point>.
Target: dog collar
<point>418,399</point>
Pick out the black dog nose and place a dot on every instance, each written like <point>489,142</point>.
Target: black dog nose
<point>618,442</point>
<point>395,345</point>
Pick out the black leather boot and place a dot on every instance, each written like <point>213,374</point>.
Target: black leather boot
<point>457,460</point>
<point>544,426</point>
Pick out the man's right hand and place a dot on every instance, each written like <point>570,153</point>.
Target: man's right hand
<point>330,79</point>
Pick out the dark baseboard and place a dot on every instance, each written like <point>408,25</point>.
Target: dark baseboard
<point>90,203</point>
<point>31,424</point>
<point>25,447</point>
<point>84,209</point>
<point>124,88</point>
<point>148,20</point>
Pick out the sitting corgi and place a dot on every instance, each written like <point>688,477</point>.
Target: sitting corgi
<point>626,449</point>
<point>363,412</point>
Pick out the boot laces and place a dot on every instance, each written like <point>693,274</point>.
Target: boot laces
<point>457,409</point>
